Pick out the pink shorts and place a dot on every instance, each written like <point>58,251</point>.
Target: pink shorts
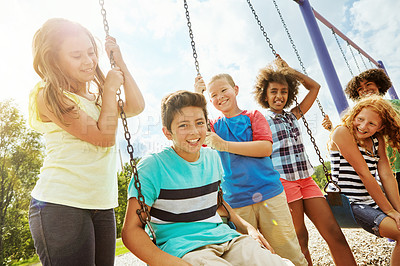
<point>301,189</point>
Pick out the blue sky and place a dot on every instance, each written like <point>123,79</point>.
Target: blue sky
<point>154,39</point>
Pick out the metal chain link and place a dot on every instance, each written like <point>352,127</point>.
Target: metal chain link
<point>327,174</point>
<point>296,52</point>
<point>355,60</point>
<point>262,29</point>
<point>362,59</point>
<point>372,64</point>
<point>145,220</point>
<point>321,160</point>
<point>341,50</point>
<point>189,24</point>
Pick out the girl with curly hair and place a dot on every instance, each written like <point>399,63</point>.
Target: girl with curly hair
<point>276,89</point>
<point>372,82</point>
<point>357,149</point>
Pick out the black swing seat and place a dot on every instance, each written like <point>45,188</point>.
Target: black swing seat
<point>227,221</point>
<point>341,209</point>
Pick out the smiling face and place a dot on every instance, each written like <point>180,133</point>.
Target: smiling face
<point>277,96</point>
<point>188,132</point>
<point>367,88</point>
<point>223,97</point>
<point>367,123</point>
<point>77,58</point>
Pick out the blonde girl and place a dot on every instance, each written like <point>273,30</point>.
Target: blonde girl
<point>74,105</point>
<point>357,149</point>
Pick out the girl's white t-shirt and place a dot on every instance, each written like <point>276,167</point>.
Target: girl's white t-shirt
<point>74,173</point>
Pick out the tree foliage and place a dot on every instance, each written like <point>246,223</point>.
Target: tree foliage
<point>21,156</point>
<point>319,174</point>
<point>124,177</point>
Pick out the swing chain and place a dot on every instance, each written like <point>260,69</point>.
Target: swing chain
<point>362,59</point>
<point>144,209</point>
<point>189,24</point>
<point>341,50</point>
<point>262,29</point>
<point>107,30</point>
<point>355,60</point>
<point>296,51</point>
<point>321,160</point>
<point>290,38</point>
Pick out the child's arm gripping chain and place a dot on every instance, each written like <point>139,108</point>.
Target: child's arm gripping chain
<point>311,85</point>
<point>79,124</point>
<point>138,242</point>
<point>199,85</point>
<point>134,102</point>
<point>344,142</point>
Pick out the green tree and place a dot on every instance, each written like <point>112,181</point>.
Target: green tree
<point>21,156</point>
<point>124,177</point>
<point>319,174</point>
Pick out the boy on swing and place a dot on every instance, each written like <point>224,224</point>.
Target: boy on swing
<point>251,185</point>
<point>180,186</point>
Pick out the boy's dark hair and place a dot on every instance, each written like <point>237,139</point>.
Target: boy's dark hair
<point>173,103</point>
<point>282,76</point>
<point>376,75</point>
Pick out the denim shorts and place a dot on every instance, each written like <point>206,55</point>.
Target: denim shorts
<point>67,236</point>
<point>368,218</point>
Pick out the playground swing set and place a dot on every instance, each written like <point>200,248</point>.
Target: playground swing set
<point>337,201</point>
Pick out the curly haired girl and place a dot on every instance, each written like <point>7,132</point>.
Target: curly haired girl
<point>357,149</point>
<point>276,90</point>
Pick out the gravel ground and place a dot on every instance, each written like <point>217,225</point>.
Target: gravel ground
<point>367,249</point>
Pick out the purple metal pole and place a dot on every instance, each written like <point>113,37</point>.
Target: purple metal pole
<point>323,56</point>
<point>392,91</point>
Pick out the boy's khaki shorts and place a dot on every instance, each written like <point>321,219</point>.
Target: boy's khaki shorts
<point>242,250</point>
<point>273,219</point>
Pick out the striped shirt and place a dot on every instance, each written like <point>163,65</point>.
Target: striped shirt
<point>348,179</point>
<point>288,152</point>
<point>183,200</point>
<point>198,204</point>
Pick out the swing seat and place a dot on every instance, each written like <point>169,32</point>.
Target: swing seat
<point>226,220</point>
<point>341,209</point>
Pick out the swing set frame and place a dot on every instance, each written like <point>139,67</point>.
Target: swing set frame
<point>338,202</point>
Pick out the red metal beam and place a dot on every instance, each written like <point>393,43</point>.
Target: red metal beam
<point>344,37</point>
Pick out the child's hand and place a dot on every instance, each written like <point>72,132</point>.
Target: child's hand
<point>214,141</point>
<point>260,239</point>
<point>199,85</point>
<point>111,45</point>
<point>326,123</point>
<point>280,63</point>
<point>114,80</point>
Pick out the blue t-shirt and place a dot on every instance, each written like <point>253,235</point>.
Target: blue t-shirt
<point>183,200</point>
<point>247,180</point>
